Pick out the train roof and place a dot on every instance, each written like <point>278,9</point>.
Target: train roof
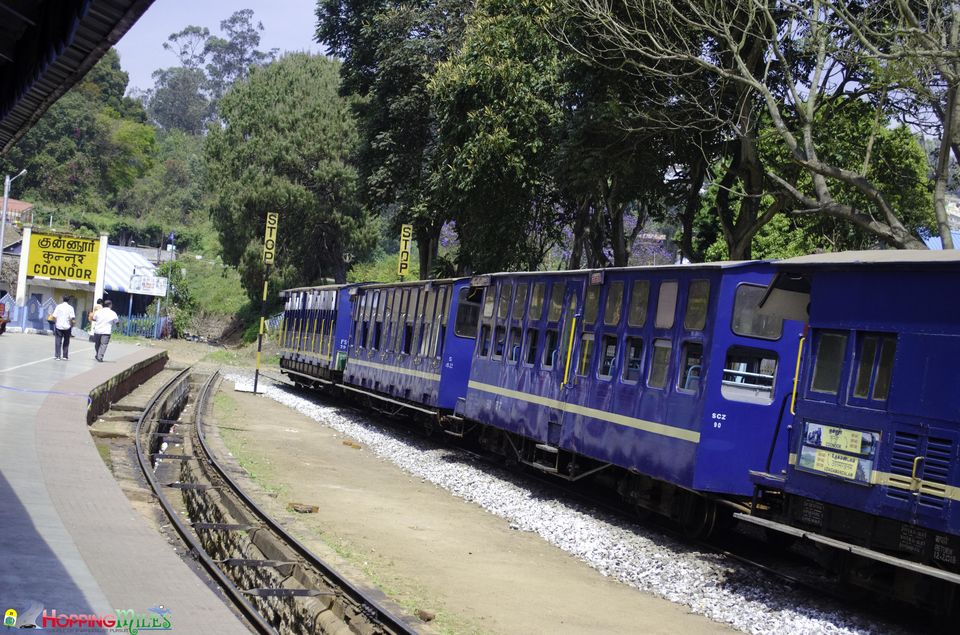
<point>722,264</point>
<point>322,287</point>
<point>912,258</point>
<point>409,283</point>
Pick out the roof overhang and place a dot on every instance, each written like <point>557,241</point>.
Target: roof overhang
<point>46,46</point>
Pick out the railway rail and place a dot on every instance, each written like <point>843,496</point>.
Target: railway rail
<point>272,579</point>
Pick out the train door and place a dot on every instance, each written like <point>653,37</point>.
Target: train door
<point>569,321</point>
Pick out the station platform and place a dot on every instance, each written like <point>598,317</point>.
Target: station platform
<point>69,540</point>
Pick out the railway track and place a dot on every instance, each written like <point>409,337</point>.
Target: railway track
<point>278,584</point>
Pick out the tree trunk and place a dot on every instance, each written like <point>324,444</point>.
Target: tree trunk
<point>698,172</point>
<point>950,123</point>
<point>579,228</point>
<point>428,243</point>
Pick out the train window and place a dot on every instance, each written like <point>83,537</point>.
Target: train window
<point>749,375</point>
<point>520,301</point>
<point>536,302</point>
<point>591,304</point>
<point>377,334</point>
<point>506,290</point>
<point>865,364</point>
<point>747,319</point>
<point>550,349</point>
<point>691,367</point>
<point>874,364</point>
<point>639,295</point>
<point>484,347</point>
<point>666,304</point>
<point>499,341</point>
<point>468,312</point>
<point>660,364</point>
<point>829,363</point>
<point>489,300</point>
<point>881,386</point>
<point>556,302</point>
<point>586,354</point>
<point>633,360</point>
<point>608,353</point>
<point>532,335</point>
<point>614,306</point>
<point>698,297</point>
<point>513,345</point>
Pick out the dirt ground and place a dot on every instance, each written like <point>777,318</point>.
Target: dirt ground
<point>424,548</point>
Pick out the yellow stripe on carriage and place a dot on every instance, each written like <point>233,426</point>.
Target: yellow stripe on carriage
<point>630,422</point>
<point>395,369</point>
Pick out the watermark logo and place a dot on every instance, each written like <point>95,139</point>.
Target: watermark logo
<point>121,621</point>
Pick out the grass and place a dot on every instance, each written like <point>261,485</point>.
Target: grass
<point>104,451</point>
<point>214,286</point>
<point>260,470</point>
<point>246,356</point>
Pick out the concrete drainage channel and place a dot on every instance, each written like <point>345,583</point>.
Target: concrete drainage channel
<point>276,582</point>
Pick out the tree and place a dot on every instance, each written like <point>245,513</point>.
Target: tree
<point>177,101</point>
<point>791,63</point>
<point>284,144</point>
<point>231,58</point>
<point>390,50</point>
<point>498,113</point>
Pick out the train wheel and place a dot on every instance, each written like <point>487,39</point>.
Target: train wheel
<point>698,516</point>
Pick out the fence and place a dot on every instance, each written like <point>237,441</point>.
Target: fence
<point>32,318</point>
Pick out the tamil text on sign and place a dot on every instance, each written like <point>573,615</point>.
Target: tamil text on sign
<point>63,257</point>
<point>406,238</point>
<point>270,238</point>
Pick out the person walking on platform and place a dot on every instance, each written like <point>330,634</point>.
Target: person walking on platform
<point>64,319</point>
<point>103,322</point>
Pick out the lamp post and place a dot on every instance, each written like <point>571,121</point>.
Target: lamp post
<point>3,222</point>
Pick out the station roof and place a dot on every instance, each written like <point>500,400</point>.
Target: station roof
<point>906,257</point>
<point>46,46</point>
<point>123,264</point>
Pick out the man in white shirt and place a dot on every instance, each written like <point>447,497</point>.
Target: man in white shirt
<point>103,322</point>
<point>64,319</point>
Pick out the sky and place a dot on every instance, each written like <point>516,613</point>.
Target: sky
<point>287,25</point>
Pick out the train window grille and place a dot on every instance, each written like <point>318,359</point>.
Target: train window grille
<point>519,303</point>
<point>660,363</point>
<point>828,365</point>
<point>666,304</point>
<point>531,346</point>
<point>499,341</point>
<point>483,348</point>
<point>691,367</point>
<point>747,321</point>
<point>586,354</point>
<point>698,299</point>
<point>551,348</point>
<point>749,374</point>
<point>556,302</point>
<point>489,302</point>
<point>608,354</point>
<point>937,462</point>
<point>613,308</point>
<point>633,360</point>
<point>591,304</point>
<point>506,290</point>
<point>468,312</point>
<point>639,299</point>
<point>536,302</point>
<point>514,343</point>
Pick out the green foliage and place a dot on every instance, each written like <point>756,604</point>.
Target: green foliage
<point>382,268</point>
<point>285,145</point>
<point>498,110</point>
<point>181,301</point>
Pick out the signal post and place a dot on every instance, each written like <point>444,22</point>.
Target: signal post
<point>269,257</point>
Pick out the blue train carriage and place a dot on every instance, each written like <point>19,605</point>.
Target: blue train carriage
<point>662,381</point>
<point>410,345</point>
<point>314,334</point>
<point>873,450</point>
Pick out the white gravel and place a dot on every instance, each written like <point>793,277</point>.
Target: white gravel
<point>709,584</point>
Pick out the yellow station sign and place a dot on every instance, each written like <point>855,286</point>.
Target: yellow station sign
<point>63,257</point>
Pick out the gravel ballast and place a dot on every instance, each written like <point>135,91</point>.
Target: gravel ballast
<point>710,584</point>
